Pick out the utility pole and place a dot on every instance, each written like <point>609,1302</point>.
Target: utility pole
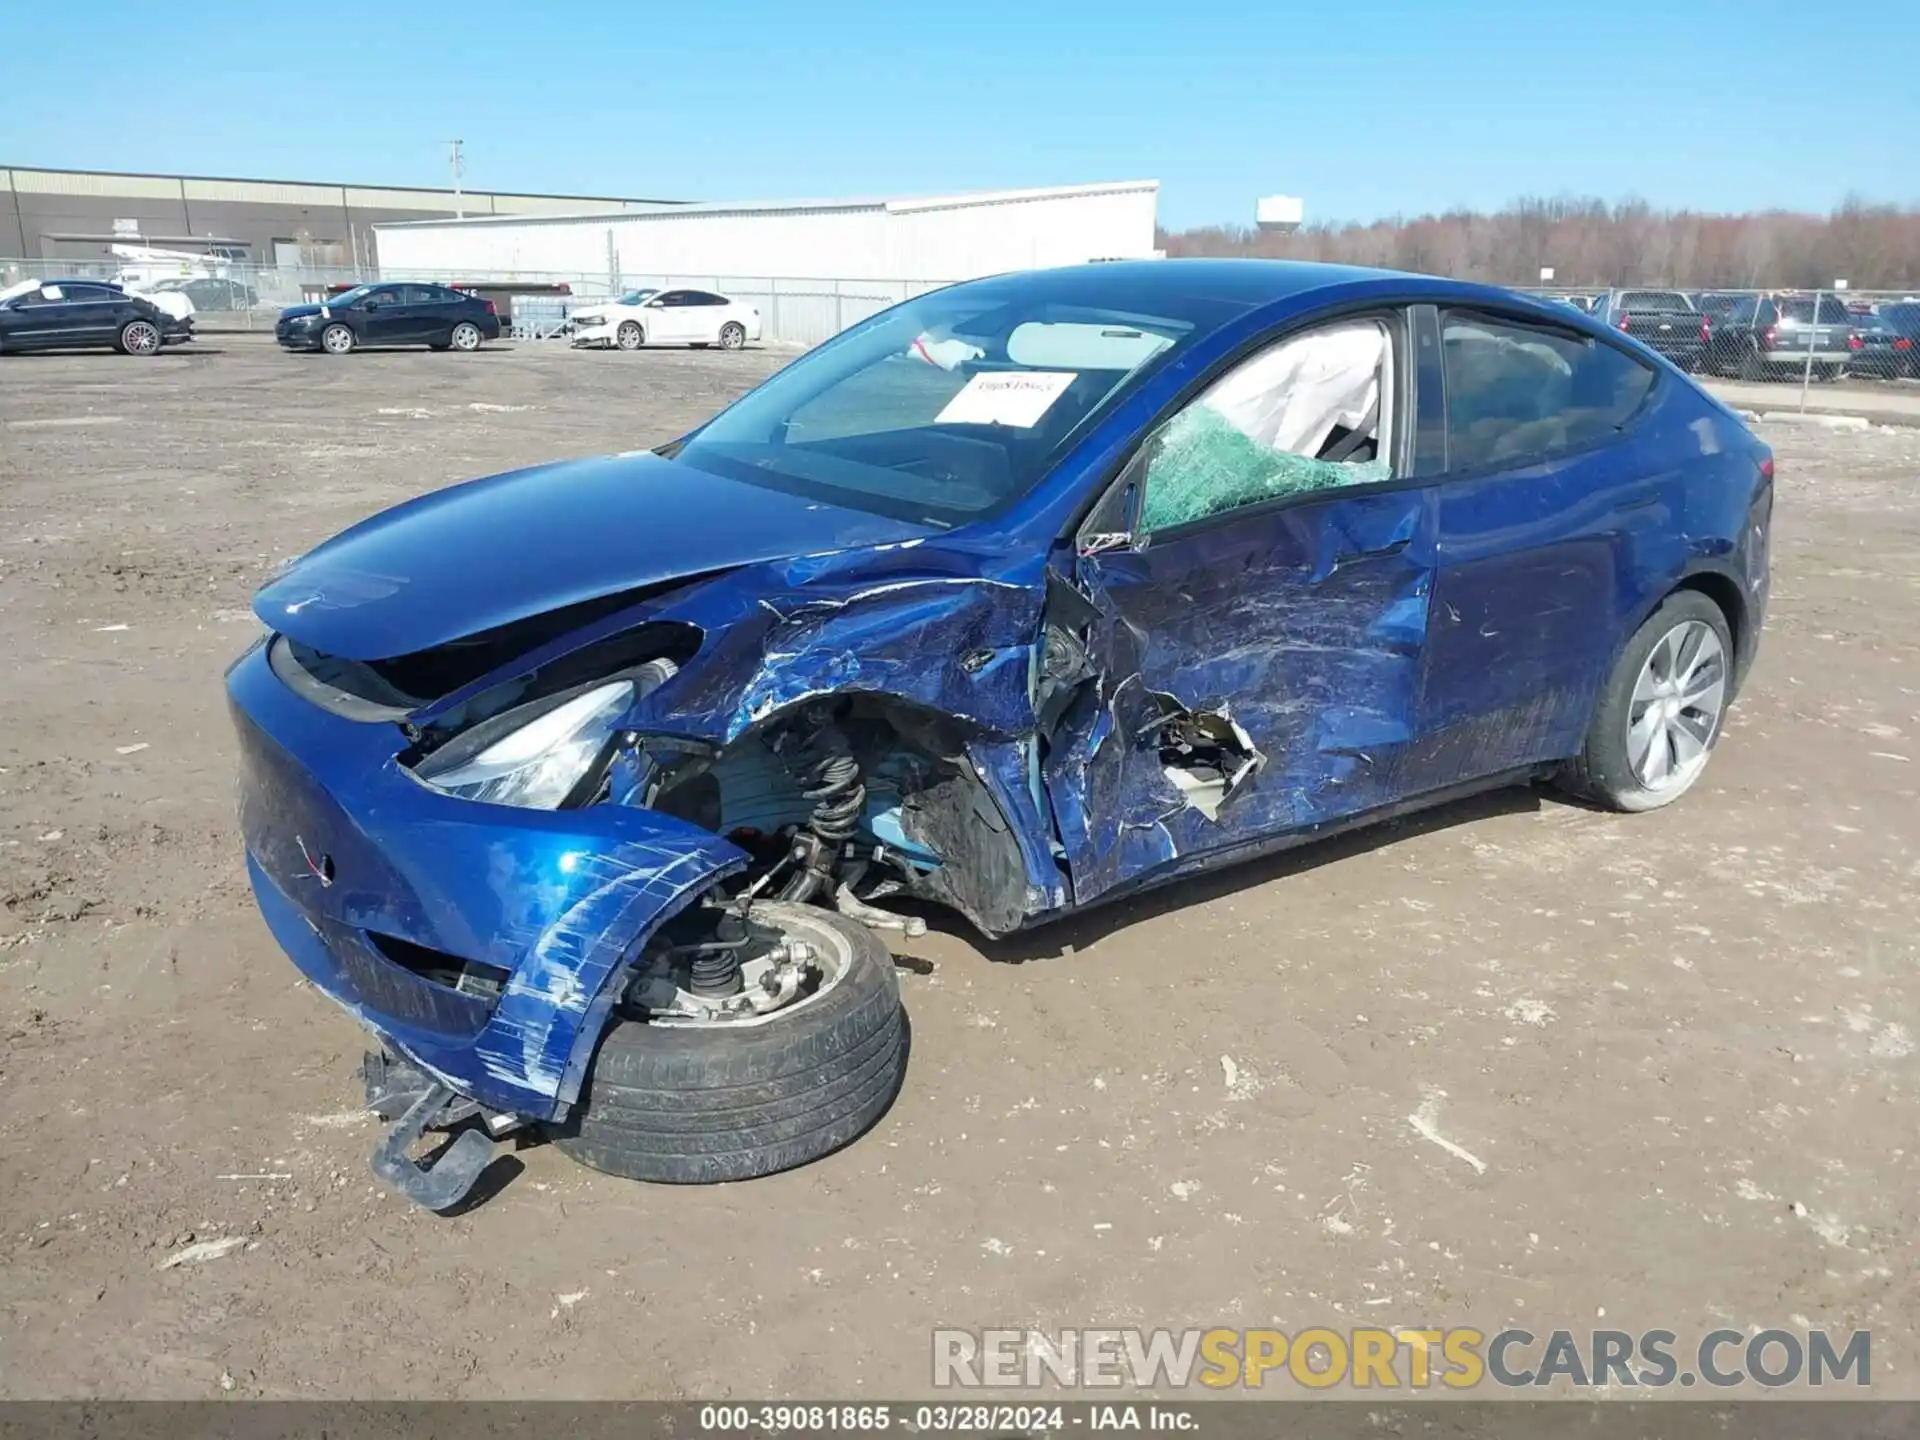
<point>459,169</point>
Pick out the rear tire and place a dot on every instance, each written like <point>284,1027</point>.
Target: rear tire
<point>1629,762</point>
<point>139,337</point>
<point>337,339</point>
<point>465,336</point>
<point>733,336</point>
<point>698,1104</point>
<point>629,336</point>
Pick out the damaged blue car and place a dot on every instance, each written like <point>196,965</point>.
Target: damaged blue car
<point>587,788</point>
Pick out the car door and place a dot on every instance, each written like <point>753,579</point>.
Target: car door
<point>1550,490</point>
<point>382,316</point>
<point>667,319</point>
<point>428,314</point>
<point>706,313</point>
<point>1246,614</point>
<point>95,313</point>
<point>37,319</point>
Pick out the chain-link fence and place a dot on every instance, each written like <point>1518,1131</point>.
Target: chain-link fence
<point>1809,337</point>
<point>1804,336</point>
<point>230,296</point>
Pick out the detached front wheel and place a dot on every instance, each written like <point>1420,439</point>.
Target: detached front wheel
<point>682,1093</point>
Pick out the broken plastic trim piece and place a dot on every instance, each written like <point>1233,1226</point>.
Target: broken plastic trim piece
<point>444,1184</point>
<point>1207,754</point>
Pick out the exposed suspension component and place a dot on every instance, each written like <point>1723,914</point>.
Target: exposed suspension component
<point>829,776</point>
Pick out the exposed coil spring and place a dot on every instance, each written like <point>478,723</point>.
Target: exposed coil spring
<point>831,781</point>
<point>829,777</point>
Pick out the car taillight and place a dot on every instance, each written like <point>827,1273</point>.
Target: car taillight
<point>1766,466</point>
<point>489,305</point>
<point>1767,337</point>
<point>1706,330</point>
<point>1854,342</point>
<point>1903,343</point>
<point>1623,322</point>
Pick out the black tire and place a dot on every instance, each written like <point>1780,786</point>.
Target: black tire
<point>733,336</point>
<point>691,1105</point>
<point>1602,771</point>
<point>338,339</point>
<point>465,336</point>
<point>139,337</point>
<point>629,336</point>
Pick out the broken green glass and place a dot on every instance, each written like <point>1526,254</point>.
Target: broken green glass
<point>1205,466</point>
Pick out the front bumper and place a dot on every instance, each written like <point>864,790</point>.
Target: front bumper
<point>597,334</point>
<point>347,854</point>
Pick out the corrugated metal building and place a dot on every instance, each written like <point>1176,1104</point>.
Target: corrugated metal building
<point>912,241</point>
<point>76,214</point>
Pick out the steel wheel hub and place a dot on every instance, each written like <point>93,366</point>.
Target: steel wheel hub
<point>1678,700</point>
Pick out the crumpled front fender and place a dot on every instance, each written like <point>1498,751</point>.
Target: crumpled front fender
<point>344,847</point>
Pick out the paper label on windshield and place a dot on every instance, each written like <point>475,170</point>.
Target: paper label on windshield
<point>1007,398</point>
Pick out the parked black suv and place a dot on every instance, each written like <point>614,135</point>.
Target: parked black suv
<point>1765,336</point>
<point>390,314</point>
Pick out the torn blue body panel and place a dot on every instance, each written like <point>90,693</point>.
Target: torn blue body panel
<point>1304,627</point>
<point>1041,723</point>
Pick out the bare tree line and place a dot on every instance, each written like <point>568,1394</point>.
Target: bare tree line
<point>1589,242</point>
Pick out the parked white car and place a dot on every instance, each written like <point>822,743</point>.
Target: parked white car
<point>666,317</point>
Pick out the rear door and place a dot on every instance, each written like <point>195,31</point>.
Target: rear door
<point>1246,615</point>
<point>429,313</point>
<point>706,313</point>
<point>1548,492</point>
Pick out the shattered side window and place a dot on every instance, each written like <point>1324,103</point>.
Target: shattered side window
<point>1307,414</point>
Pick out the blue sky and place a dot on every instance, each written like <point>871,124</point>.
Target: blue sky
<point>1365,107</point>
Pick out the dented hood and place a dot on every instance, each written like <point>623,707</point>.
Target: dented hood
<point>490,552</point>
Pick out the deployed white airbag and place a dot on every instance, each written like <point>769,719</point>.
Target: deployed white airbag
<point>1293,396</point>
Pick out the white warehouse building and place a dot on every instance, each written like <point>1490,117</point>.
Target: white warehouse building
<point>811,266</point>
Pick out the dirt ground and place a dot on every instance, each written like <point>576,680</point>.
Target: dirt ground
<point>1681,1045</point>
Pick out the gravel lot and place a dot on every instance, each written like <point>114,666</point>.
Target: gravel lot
<point>1682,1045</point>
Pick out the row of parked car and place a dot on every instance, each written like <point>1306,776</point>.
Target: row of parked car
<point>82,314</point>
<point>1762,335</point>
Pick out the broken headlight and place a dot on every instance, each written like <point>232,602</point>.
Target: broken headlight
<point>538,762</point>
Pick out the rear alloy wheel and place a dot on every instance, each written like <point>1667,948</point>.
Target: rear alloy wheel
<point>1661,713</point>
<point>336,339</point>
<point>139,337</point>
<point>629,336</point>
<point>684,1093</point>
<point>465,336</point>
<point>733,336</point>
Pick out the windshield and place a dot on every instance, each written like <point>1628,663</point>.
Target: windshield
<point>946,407</point>
<point>19,287</point>
<point>637,297</point>
<point>347,297</point>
